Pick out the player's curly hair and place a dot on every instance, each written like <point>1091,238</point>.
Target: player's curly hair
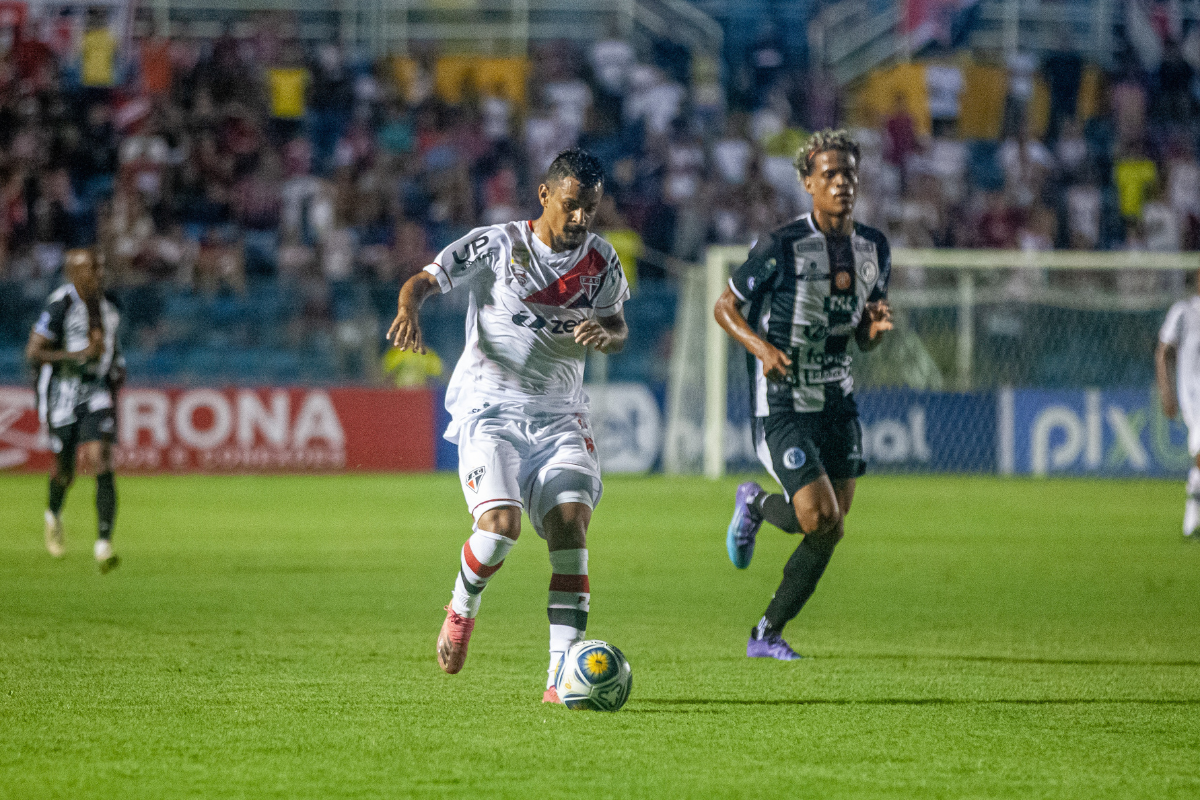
<point>578,164</point>
<point>820,142</point>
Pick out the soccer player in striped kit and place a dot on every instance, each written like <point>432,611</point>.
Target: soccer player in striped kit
<point>802,295</point>
<point>541,292</point>
<point>74,347</point>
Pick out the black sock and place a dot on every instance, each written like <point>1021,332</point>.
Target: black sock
<point>775,510</point>
<point>106,503</point>
<point>761,630</point>
<point>58,494</point>
<point>800,576</point>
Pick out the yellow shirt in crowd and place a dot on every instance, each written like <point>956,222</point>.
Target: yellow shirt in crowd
<point>287,92</point>
<point>1135,178</point>
<point>99,58</point>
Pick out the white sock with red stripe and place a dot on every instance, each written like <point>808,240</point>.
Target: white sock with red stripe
<point>570,597</point>
<point>482,555</point>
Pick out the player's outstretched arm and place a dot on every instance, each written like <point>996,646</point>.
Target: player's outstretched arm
<point>405,332</point>
<point>1164,370</point>
<point>606,334</point>
<point>876,318</point>
<point>776,365</point>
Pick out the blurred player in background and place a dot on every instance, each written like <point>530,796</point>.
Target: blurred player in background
<point>540,293</point>
<point>80,368</point>
<point>1177,366</point>
<point>804,292</point>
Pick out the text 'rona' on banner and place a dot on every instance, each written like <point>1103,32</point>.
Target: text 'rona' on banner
<point>244,430</point>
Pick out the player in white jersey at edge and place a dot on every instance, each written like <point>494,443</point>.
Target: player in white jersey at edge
<point>1177,366</point>
<point>541,293</point>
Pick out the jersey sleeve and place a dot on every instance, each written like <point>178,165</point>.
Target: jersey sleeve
<point>481,249</point>
<point>614,291</point>
<point>1172,328</point>
<point>49,323</point>
<point>880,290</point>
<point>753,277</point>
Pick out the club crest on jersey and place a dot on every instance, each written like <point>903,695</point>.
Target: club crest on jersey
<point>868,271</point>
<point>522,277</point>
<point>591,285</point>
<point>842,281</point>
<point>473,478</point>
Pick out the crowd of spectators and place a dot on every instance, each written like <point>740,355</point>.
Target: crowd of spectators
<point>320,179</point>
<point>1123,177</point>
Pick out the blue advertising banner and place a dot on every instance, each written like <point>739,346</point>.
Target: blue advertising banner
<point>1102,433</point>
<point>1108,433</point>
<point>908,431</point>
<point>903,431</point>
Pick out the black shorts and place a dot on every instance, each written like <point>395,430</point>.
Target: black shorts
<point>798,447</point>
<point>89,426</point>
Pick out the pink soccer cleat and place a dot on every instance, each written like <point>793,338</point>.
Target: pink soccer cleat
<point>453,640</point>
<point>551,696</point>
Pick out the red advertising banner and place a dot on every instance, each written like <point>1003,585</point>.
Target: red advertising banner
<point>245,430</point>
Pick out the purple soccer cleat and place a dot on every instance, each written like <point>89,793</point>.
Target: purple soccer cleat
<point>771,646</point>
<point>739,539</point>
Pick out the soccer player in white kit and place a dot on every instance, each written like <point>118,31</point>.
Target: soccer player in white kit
<point>540,293</point>
<point>1177,365</point>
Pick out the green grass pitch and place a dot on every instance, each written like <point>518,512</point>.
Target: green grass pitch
<point>274,637</point>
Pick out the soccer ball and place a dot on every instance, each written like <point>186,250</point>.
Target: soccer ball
<point>594,675</point>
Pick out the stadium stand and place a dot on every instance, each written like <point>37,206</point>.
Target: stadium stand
<point>262,190</point>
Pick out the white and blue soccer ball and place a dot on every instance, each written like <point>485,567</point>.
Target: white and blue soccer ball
<point>594,675</point>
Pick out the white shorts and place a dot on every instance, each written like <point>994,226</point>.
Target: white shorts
<point>532,461</point>
<point>1193,428</point>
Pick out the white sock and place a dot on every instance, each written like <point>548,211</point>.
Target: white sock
<point>1191,509</point>
<point>567,608</point>
<point>102,549</point>
<point>481,556</point>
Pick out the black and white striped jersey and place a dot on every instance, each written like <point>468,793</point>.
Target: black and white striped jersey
<point>804,292</point>
<point>64,386</point>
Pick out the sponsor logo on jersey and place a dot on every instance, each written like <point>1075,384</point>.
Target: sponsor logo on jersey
<point>843,303</point>
<point>821,360</point>
<point>810,271</point>
<point>863,246</point>
<point>820,332</point>
<point>816,333</point>
<point>808,246</point>
<point>570,291</point>
<point>472,251</point>
<point>536,322</point>
<point>794,458</point>
<point>473,478</point>
<point>820,377</point>
<point>868,271</point>
<point>520,255</point>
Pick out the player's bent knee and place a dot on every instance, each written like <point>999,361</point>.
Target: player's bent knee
<point>814,522</point>
<point>503,520</point>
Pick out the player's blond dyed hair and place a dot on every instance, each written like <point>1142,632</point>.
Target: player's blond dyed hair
<point>820,142</point>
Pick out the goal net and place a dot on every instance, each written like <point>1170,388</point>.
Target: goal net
<point>1002,361</point>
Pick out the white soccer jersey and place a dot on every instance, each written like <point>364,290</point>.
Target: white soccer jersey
<point>525,303</point>
<point>1182,329</point>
